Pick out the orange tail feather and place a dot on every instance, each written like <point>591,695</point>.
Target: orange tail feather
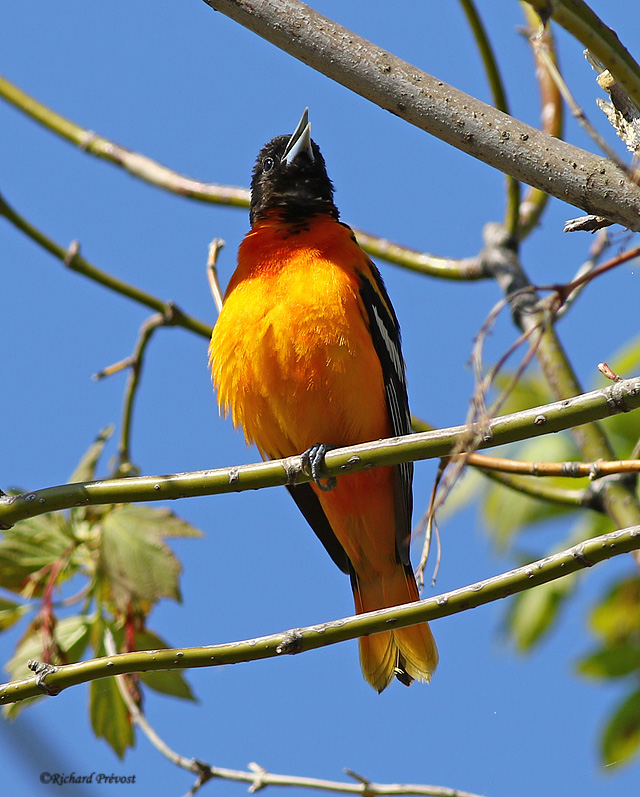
<point>406,653</point>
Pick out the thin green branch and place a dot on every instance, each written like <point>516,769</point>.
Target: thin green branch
<point>73,260</point>
<point>144,168</point>
<point>512,215</point>
<point>536,489</point>
<point>137,165</point>
<point>618,397</point>
<point>258,777</point>
<point>52,680</point>
<point>466,269</point>
<point>135,369</point>
<point>580,21</point>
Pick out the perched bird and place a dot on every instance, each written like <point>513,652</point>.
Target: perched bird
<point>306,350</point>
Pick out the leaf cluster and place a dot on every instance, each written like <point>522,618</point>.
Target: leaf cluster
<point>115,562</point>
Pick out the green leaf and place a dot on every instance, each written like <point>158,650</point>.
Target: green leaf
<point>507,512</point>
<point>618,615</point>
<point>621,737</point>
<point>110,718</point>
<point>168,682</point>
<point>158,521</point>
<point>11,613</point>
<point>134,559</point>
<point>614,661</point>
<point>533,612</point>
<point>86,468</point>
<point>71,634</point>
<point>625,361</point>
<point>30,546</point>
<point>529,391</point>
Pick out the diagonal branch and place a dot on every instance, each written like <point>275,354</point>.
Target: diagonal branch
<point>618,397</point>
<point>258,777</point>
<point>52,680</point>
<point>150,171</point>
<point>581,178</point>
<point>137,165</point>
<point>74,261</point>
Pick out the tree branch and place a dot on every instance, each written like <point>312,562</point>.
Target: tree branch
<point>137,165</point>
<point>73,260</point>
<point>581,178</point>
<point>52,680</point>
<point>576,17</point>
<point>144,168</point>
<point>618,397</point>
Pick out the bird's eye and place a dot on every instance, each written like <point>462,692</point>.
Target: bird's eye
<point>267,164</point>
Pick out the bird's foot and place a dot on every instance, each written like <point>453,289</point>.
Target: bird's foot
<point>313,458</point>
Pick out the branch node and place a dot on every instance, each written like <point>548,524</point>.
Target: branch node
<point>356,776</point>
<point>41,670</point>
<point>586,224</point>
<point>259,782</point>
<point>293,468</point>
<point>605,370</point>
<point>291,642</point>
<point>579,556</point>
<point>616,396</point>
<point>88,137</point>
<point>71,254</point>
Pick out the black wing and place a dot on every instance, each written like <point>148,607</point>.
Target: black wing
<point>308,503</point>
<point>385,333</point>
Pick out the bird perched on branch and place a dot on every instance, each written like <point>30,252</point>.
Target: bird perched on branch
<point>306,355</point>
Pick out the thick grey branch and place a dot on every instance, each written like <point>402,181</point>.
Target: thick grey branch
<point>574,175</point>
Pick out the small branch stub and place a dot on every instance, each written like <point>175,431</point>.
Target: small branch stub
<point>41,670</point>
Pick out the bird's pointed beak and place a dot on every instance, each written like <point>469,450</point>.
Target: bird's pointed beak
<point>300,141</point>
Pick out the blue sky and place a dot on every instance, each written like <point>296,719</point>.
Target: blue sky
<point>191,89</point>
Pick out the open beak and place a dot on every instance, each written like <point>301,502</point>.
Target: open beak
<point>300,141</point>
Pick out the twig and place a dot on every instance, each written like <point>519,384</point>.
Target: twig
<point>600,245</point>
<point>586,224</point>
<point>535,200</point>
<point>260,778</point>
<point>571,499</point>
<point>190,764</point>
<point>577,18</point>
<point>72,258</point>
<point>568,289</point>
<point>137,165</point>
<point>566,470</point>
<point>212,271</point>
<point>135,369</point>
<point>465,269</point>
<point>577,111</point>
<point>427,523</point>
<point>585,554</point>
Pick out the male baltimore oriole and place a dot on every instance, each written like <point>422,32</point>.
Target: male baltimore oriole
<point>306,350</point>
